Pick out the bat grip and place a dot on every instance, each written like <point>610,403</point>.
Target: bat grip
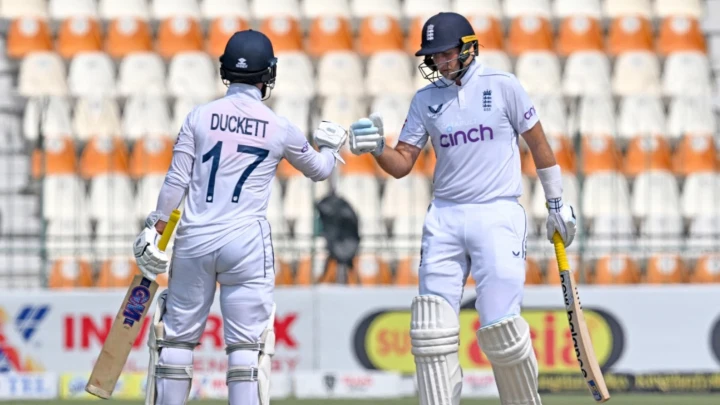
<point>169,228</point>
<point>560,254</point>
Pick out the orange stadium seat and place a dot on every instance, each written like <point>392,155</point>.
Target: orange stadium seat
<point>57,158</point>
<point>126,35</point>
<point>665,269</point>
<point>151,155</point>
<point>647,153</point>
<point>284,274</point>
<point>383,33</point>
<point>104,155</point>
<point>78,34</point>
<point>286,170</point>
<point>363,164</point>
<point>529,33</point>
<point>533,272</point>
<point>600,153</point>
<point>177,35</point>
<point>304,270</point>
<point>330,275</point>
<point>414,37</point>
<point>328,34</point>
<point>26,35</point>
<point>552,275</point>
<point>695,154</point>
<point>564,155</point>
<point>117,272</point>
<point>70,272</point>
<point>406,273</point>
<point>489,32</point>
<point>616,269</point>
<point>579,33</point>
<point>630,33</point>
<point>220,31</point>
<point>680,33</point>
<point>707,269</point>
<point>372,269</point>
<point>284,33</point>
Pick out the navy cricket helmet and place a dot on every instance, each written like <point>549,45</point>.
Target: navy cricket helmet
<point>249,58</point>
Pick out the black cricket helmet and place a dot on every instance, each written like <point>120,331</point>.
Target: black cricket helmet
<point>249,58</point>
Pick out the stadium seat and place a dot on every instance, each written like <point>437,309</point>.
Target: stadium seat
<point>296,78</point>
<point>329,34</point>
<point>12,9</point>
<point>192,75</point>
<point>371,270</point>
<point>361,192</point>
<point>77,35</point>
<point>616,269</point>
<point>112,9</point>
<point>301,193</point>
<point>665,269</point>
<point>599,154</point>
<point>668,8</point>
<point>96,117</point>
<point>284,32</point>
<point>55,114</point>
<point>394,109</point>
<point>647,153</point>
<point>340,73</point>
<point>151,155</point>
<point>533,273</point>
<point>553,111</point>
<point>148,190</point>
<point>104,155</point>
<point>469,8</point>
<point>178,35</point>
<point>181,108</point>
<point>406,273</point>
<point>529,33</point>
<point>661,233</point>
<point>114,237</point>
<point>164,9</point>
<point>368,8</point>
<point>655,193</point>
<point>386,64</point>
<point>695,154</point>
<point>117,272</point>
<point>275,214</point>
<point>539,72</point>
<point>57,158</point>
<point>11,135</point>
<point>424,8</point>
<point>579,33</point>
<point>66,9</point>
<point>141,73</point>
<point>91,74</point>
<point>413,40</point>
<point>70,272</point>
<point>128,36</point>
<point>405,203</point>
<point>27,35</point>
<point>611,233</point>
<point>489,31</point>
<point>703,234</point>
<point>519,8</point>
<point>630,33</point>
<point>707,269</point>
<point>641,115</point>
<point>568,8</point>
<point>216,9</point>
<point>15,170</point>
<point>619,8</point>
<point>380,33</point>
<point>636,72</point>
<point>146,116</point>
<point>690,116</point>
<point>70,190</point>
<point>312,9</point>
<point>262,10</point>
<point>701,192</point>
<point>537,208</point>
<point>552,274</point>
<point>680,34</point>
<point>685,74</point>
<point>296,109</point>
<point>220,31</point>
<point>495,59</point>
<point>342,110</point>
<point>605,193</point>
<point>110,195</point>
<point>583,64</point>
<point>20,215</point>
<point>595,116</point>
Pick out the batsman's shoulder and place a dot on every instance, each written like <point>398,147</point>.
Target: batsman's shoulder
<point>499,76</point>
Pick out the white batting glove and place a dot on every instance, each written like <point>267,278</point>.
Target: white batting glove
<point>368,135</point>
<point>561,218</point>
<point>150,259</point>
<point>330,135</point>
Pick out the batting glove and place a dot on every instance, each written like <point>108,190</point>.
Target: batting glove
<point>367,135</point>
<point>149,258</point>
<point>330,135</point>
<point>561,218</point>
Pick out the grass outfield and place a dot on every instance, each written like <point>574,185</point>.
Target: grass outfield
<point>619,399</point>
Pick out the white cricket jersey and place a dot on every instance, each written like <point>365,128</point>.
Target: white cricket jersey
<point>236,143</point>
<point>474,131</point>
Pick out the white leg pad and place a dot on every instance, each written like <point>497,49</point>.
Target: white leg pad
<point>434,333</point>
<point>508,346</point>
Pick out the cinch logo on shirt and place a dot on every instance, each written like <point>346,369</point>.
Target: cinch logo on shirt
<point>472,135</point>
<point>529,114</point>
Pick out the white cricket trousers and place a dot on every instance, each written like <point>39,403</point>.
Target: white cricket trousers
<point>486,241</point>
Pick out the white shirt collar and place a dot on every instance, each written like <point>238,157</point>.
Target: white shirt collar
<point>242,88</point>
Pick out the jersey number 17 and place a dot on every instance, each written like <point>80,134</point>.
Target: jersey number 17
<point>214,154</point>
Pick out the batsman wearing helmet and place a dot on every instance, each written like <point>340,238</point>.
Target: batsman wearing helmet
<point>475,225</point>
<point>225,160</point>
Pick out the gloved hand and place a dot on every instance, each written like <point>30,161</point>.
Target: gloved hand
<point>561,218</point>
<point>367,135</point>
<point>149,258</point>
<point>330,135</point>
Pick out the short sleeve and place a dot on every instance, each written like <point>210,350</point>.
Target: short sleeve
<point>413,131</point>
<point>185,141</point>
<point>520,108</point>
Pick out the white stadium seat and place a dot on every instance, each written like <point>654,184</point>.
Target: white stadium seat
<point>114,237</point>
<point>42,74</point>
<point>68,189</point>
<point>96,117</point>
<point>640,116</point>
<point>686,73</point>
<point>55,112</point>
<point>605,193</point>
<point>370,8</point>
<point>661,233</point>
<point>361,192</point>
<point>12,9</point>
<point>490,8</point>
<point>92,74</point>
<point>569,8</point>
<point>69,236</point>
<point>296,109</point>
<point>295,76</point>
<point>552,112</point>
<point>181,108</point>
<point>539,72</point>
<point>669,8</point>
<point>619,8</point>
<point>11,135</point>
<point>424,8</point>
<point>583,65</point>
<point>494,58</point>
<point>394,109</point>
<point>710,21</point>
<point>141,73</point>
<point>611,232</point>
<point>212,9</point>
<point>701,193</point>
<point>20,214</point>
<point>148,189</point>
<point>112,9</point>
<point>703,234</point>
<point>275,214</point>
<point>322,8</point>
<point>110,197</point>
<point>636,72</point>
<point>62,9</point>
<point>146,116</point>
<point>14,173</point>
<point>595,116</point>
<point>389,64</point>
<point>519,8</point>
<point>342,110</point>
<point>691,115</point>
<point>300,195</point>
<point>655,193</point>
<point>340,73</point>
<point>263,9</point>
<point>405,202</point>
<point>192,74</point>
<point>163,9</point>
<point>537,208</point>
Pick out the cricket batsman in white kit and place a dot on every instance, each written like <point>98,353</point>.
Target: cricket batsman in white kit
<point>225,159</point>
<point>475,225</point>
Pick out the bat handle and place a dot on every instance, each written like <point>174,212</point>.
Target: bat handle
<point>563,264</point>
<point>169,228</point>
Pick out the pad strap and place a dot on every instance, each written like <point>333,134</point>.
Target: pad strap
<point>177,345</point>
<point>242,373</point>
<point>174,372</point>
<point>257,347</point>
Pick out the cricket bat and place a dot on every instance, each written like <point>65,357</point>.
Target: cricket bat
<point>578,328</point>
<point>126,327</point>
